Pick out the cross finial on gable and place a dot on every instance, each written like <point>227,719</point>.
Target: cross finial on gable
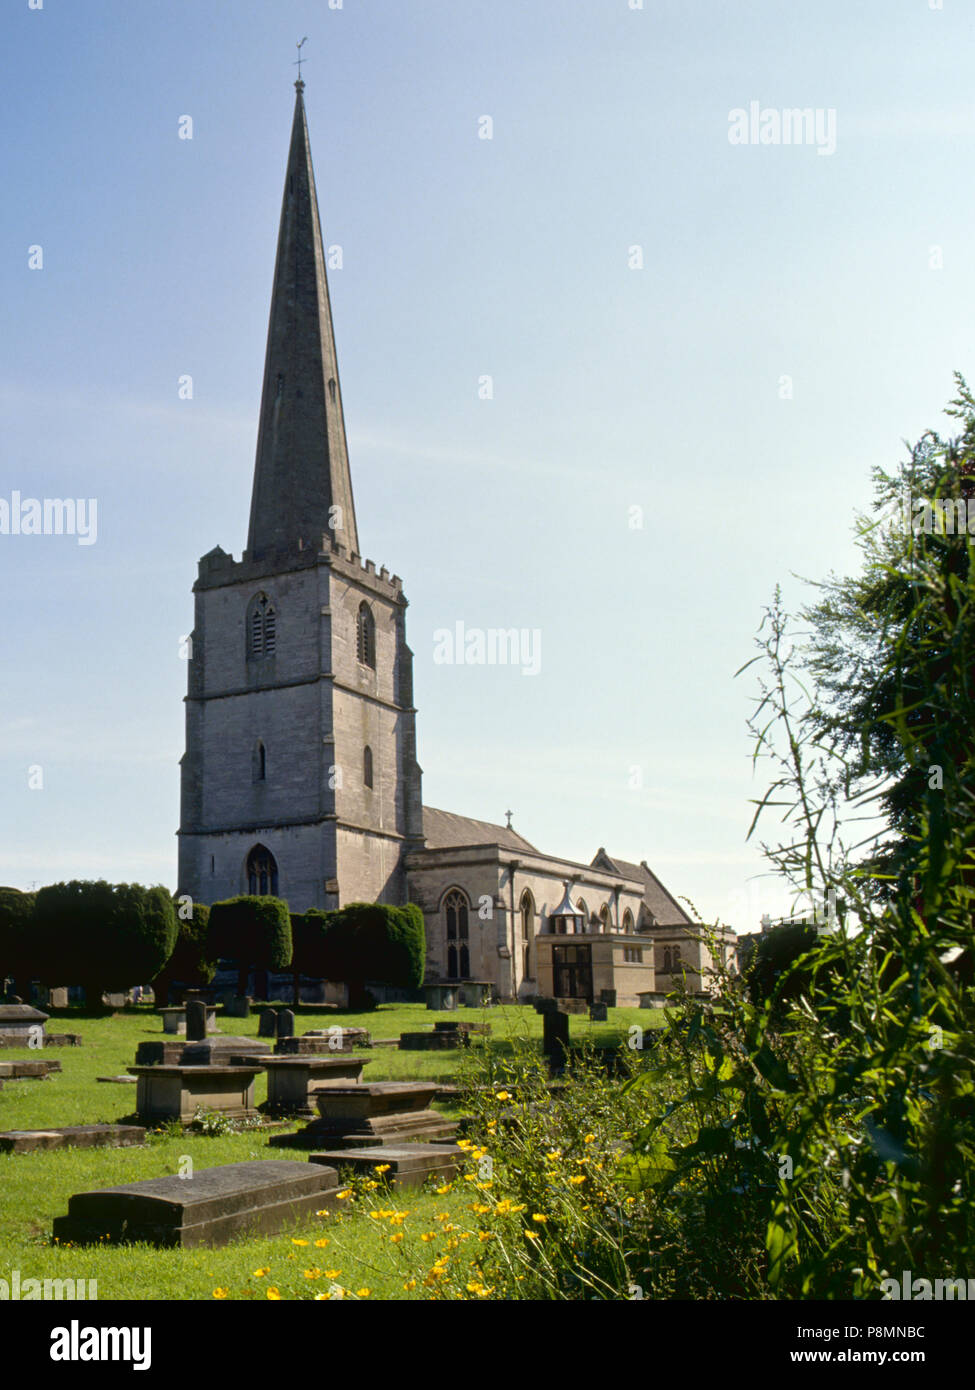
<point>509,814</point>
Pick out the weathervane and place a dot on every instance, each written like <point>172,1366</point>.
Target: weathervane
<point>299,47</point>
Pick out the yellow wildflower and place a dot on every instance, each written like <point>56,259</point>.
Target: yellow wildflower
<point>298,1242</point>
<point>384,1167</point>
<point>539,1217</point>
<point>313,1273</point>
<point>220,1293</point>
<point>397,1237</point>
<point>260,1273</point>
<point>321,1244</point>
<point>579,1177</point>
<point>272,1293</point>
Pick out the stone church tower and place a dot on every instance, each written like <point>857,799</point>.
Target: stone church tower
<point>300,775</point>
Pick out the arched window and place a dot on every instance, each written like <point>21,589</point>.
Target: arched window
<point>581,907</point>
<point>366,636</point>
<point>367,766</point>
<point>604,920</point>
<point>455,908</point>
<point>260,762</point>
<point>262,873</point>
<point>262,634</point>
<point>628,921</point>
<point>527,931</point>
<point>465,963</point>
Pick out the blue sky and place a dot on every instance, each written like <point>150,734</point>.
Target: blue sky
<point>614,387</point>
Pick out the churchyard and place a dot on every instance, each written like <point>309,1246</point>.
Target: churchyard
<point>361,1242</point>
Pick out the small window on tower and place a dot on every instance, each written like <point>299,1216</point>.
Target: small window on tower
<point>331,390</point>
<point>367,766</point>
<point>260,762</point>
<point>366,636</point>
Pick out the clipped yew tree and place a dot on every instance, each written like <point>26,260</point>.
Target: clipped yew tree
<point>19,954</point>
<point>103,936</point>
<point>315,947</point>
<point>255,932</point>
<point>381,943</point>
<point>193,961</point>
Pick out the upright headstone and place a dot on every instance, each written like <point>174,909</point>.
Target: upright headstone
<point>267,1026</point>
<point>555,1035</point>
<point>598,1013</point>
<point>286,1023</point>
<point>196,1020</point>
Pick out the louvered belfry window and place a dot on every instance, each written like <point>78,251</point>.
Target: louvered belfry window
<point>366,636</point>
<point>262,634</point>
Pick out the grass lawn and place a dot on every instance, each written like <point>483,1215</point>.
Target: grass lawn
<point>34,1188</point>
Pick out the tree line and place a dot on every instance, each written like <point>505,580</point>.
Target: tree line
<point>108,937</point>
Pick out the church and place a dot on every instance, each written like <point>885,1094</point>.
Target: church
<point>300,776</point>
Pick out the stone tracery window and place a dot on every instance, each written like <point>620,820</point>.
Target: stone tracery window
<point>262,873</point>
<point>456,911</point>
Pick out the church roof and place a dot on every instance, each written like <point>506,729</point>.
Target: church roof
<point>302,468</point>
<point>663,906</point>
<point>445,830</point>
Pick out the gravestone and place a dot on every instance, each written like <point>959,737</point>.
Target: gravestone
<point>236,1006</point>
<point>267,1025</point>
<point>371,1113</point>
<point>196,1020</point>
<point>21,1025</point>
<point>23,1141</point>
<point>38,1071</point>
<point>608,997</point>
<point>292,1082</point>
<point>286,1024</point>
<point>555,1035</point>
<point>407,1165</point>
<point>175,1093</point>
<point>211,1208</point>
<point>598,1013</point>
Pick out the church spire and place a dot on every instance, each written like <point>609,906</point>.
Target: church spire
<point>302,483</point>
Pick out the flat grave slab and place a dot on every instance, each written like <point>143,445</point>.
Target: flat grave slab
<point>437,1041</point>
<point>119,1080</point>
<point>22,1141</point>
<point>406,1165</point>
<point>175,1093</point>
<point>211,1208</point>
<point>12,1071</point>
